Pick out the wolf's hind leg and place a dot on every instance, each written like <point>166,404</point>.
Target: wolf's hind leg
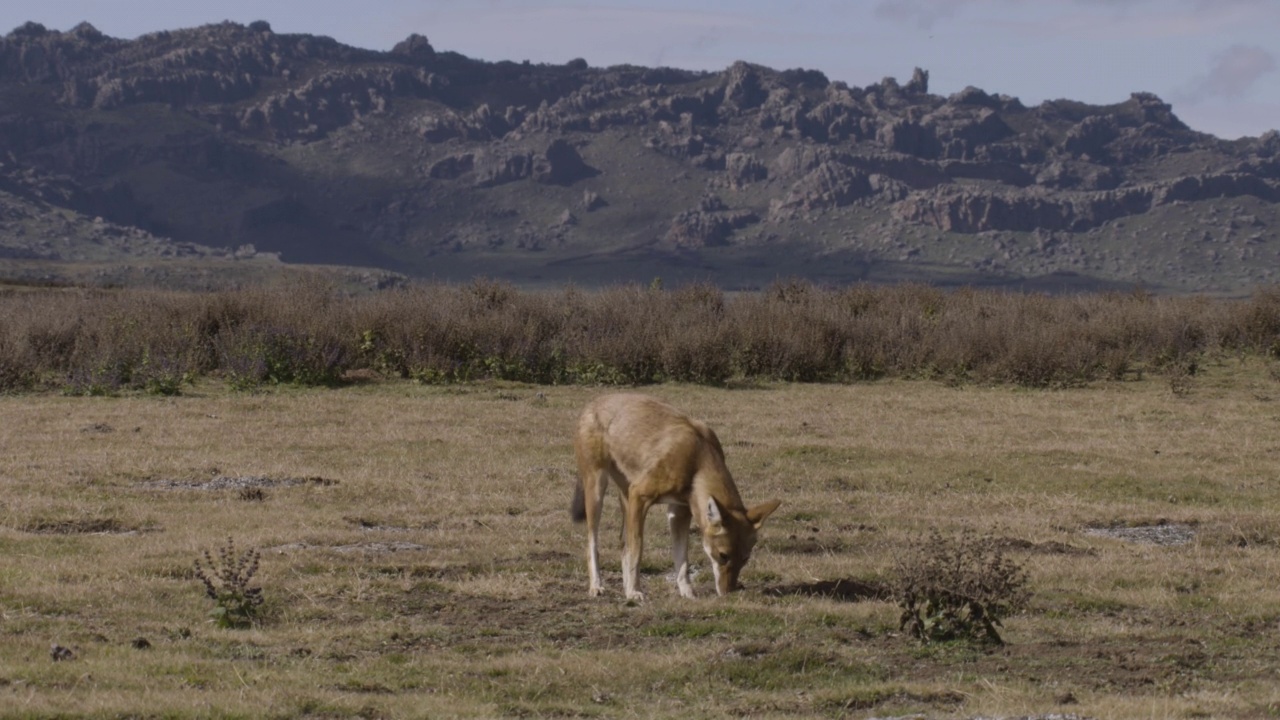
<point>595,506</point>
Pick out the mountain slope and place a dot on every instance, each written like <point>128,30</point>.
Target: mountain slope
<point>436,165</point>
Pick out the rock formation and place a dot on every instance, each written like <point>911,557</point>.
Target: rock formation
<point>189,134</point>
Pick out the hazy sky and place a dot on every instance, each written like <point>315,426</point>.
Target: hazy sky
<point>1216,61</point>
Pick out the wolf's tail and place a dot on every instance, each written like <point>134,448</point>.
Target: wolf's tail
<point>578,506</point>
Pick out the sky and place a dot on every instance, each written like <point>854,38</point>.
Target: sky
<point>1216,61</point>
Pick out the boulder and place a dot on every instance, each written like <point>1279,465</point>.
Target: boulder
<point>416,48</point>
<point>561,164</point>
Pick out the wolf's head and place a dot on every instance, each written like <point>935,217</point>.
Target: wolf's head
<point>729,537</point>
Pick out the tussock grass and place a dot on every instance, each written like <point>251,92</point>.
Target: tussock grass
<point>96,342</point>
<point>483,610</point>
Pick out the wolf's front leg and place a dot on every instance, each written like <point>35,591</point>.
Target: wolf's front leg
<point>679,518</point>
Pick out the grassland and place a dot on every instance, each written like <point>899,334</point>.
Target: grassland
<point>418,559</point>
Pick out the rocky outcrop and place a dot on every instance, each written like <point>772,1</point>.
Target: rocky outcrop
<point>966,211</point>
<point>499,168</point>
<point>911,138</point>
<point>482,124</point>
<point>333,100</point>
<point>829,185</point>
<point>712,223</point>
<point>743,87</point>
<point>680,140</point>
<point>744,169</point>
<point>400,149</point>
<point>963,131</point>
<point>796,162</point>
<point>1066,175</point>
<point>559,164</point>
<point>415,48</point>
<point>211,64</point>
<point>219,64</point>
<point>452,167</point>
<point>32,53</point>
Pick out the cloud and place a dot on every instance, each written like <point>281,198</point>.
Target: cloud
<point>1232,75</point>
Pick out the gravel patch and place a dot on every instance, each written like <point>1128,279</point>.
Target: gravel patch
<point>236,482</point>
<point>370,547</point>
<point>1160,534</point>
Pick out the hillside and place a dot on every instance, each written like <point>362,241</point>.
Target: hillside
<point>207,151</point>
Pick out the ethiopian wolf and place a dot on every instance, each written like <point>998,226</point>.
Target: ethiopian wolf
<point>657,454</point>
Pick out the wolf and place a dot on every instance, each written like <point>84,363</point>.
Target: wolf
<point>656,454</point>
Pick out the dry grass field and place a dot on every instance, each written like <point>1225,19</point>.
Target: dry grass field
<point>418,559</point>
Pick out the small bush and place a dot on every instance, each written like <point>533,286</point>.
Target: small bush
<point>226,582</point>
<point>958,588</point>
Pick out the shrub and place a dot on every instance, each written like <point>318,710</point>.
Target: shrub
<point>17,369</point>
<point>226,582</point>
<point>310,333</point>
<point>958,588</point>
<point>255,354</point>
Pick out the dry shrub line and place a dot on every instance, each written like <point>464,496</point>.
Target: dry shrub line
<point>958,588</point>
<point>226,582</point>
<point>101,341</point>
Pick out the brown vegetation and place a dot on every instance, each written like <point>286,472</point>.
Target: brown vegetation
<point>98,341</point>
<point>417,561</point>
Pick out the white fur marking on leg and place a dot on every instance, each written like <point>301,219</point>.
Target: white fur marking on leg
<point>679,519</point>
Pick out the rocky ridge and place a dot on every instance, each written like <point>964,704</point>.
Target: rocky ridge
<point>431,162</point>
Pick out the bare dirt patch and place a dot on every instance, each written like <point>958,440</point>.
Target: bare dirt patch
<point>84,526</point>
<point>845,589</point>
<point>237,482</point>
<point>1051,547</point>
<point>807,545</point>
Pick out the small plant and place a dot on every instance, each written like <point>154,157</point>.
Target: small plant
<point>161,374</point>
<point>252,494</point>
<point>1182,378</point>
<point>226,582</point>
<point>958,588</point>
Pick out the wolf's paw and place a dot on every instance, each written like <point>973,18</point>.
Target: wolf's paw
<point>635,597</point>
<point>595,590</point>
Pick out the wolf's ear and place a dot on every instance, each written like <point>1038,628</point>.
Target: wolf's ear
<point>714,519</point>
<point>757,514</point>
